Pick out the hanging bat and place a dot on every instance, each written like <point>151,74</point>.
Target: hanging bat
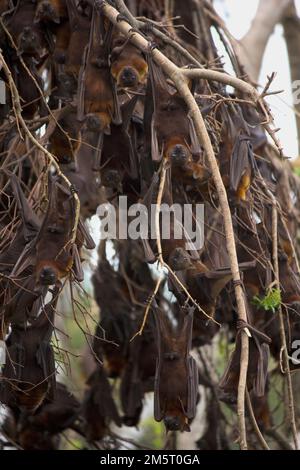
<point>128,66</point>
<point>64,144</point>
<point>96,90</point>
<point>176,378</point>
<point>20,299</point>
<point>138,376</point>
<point>51,253</point>
<point>85,177</point>
<point>115,329</point>
<point>117,170</point>
<point>29,373</point>
<point>241,166</point>
<point>99,408</point>
<point>27,34</point>
<point>53,417</point>
<point>31,99</point>
<point>79,38</point>
<point>172,131</point>
<point>257,369</point>
<point>51,11</point>
<point>53,16</point>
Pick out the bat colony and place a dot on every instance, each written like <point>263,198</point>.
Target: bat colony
<point>110,117</point>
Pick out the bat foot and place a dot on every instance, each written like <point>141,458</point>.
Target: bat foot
<point>121,17</point>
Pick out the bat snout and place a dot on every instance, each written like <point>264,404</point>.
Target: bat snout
<point>179,155</point>
<point>128,78</point>
<point>47,276</point>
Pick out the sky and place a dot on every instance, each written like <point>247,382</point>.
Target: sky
<point>238,15</point>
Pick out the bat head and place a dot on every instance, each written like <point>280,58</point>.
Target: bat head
<point>92,123</point>
<point>128,67</point>
<point>176,423</point>
<point>179,259</point>
<point>178,154</point>
<point>29,40</point>
<point>111,179</point>
<point>47,12</point>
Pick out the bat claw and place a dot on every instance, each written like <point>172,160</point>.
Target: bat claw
<point>121,17</point>
<point>151,46</point>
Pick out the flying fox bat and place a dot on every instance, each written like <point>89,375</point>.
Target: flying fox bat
<point>115,329</point>
<point>53,15</point>
<point>172,131</point>
<point>117,168</point>
<point>27,34</point>
<point>257,370</point>
<point>29,373</point>
<point>64,144</point>
<point>20,298</point>
<point>54,416</point>
<point>176,378</point>
<point>79,37</point>
<point>99,407</point>
<point>241,166</point>
<point>237,163</point>
<point>40,430</point>
<point>85,177</point>
<point>128,66</point>
<point>31,99</point>
<point>51,11</point>
<point>50,252</point>
<point>138,377</point>
<point>96,90</point>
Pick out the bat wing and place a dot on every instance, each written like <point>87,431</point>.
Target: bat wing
<point>158,412</point>
<point>31,222</point>
<point>195,146</point>
<point>155,152</point>
<point>193,381</point>
<point>241,160</point>
<point>72,13</point>
<point>89,242</point>
<point>81,84</point>
<point>77,266</point>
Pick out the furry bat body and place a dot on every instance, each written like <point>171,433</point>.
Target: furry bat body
<point>29,373</point>
<point>176,379</point>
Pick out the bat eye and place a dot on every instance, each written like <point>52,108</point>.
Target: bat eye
<point>172,423</point>
<point>47,276</point>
